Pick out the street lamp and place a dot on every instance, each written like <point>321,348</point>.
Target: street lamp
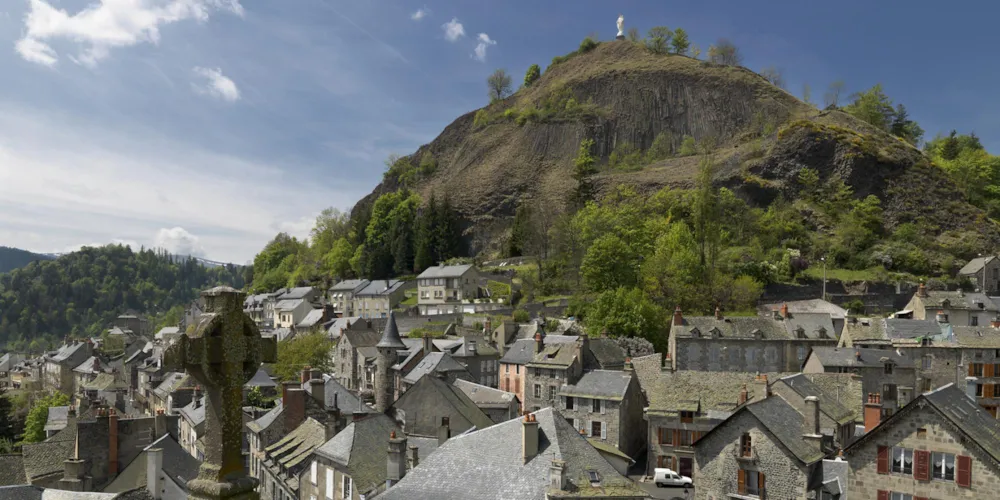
<point>823,260</point>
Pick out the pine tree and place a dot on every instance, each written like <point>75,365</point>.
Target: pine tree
<point>583,169</point>
<point>424,244</point>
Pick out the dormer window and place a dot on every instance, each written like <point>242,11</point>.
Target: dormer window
<point>745,449</point>
<point>822,333</point>
<point>595,477</point>
<point>715,333</point>
<point>945,303</point>
<point>888,368</point>
<point>696,333</point>
<point>800,333</point>
<point>757,334</point>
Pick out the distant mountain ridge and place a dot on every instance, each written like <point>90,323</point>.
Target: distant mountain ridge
<point>13,258</point>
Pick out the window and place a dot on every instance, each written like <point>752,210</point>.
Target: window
<point>943,466</point>
<point>346,486</point>
<point>517,369</point>
<point>750,483</point>
<point>745,450</point>
<point>538,390</point>
<point>902,460</point>
<point>977,370</point>
<point>687,417</point>
<point>973,320</point>
<point>597,429</point>
<point>312,472</point>
<point>595,478</point>
<point>801,353</point>
<point>900,496</point>
<point>979,390</point>
<point>888,368</point>
<point>596,405</point>
<point>569,402</point>
<point>666,436</point>
<point>552,393</point>
<point>329,484</point>
<point>927,362</point>
<point>686,438</point>
<point>506,368</point>
<point>921,433</point>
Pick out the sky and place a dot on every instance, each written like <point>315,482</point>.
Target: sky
<point>206,127</point>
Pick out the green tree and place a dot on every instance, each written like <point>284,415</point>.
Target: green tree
<point>428,165</point>
<point>725,52</point>
<point>658,39</point>
<point>633,35</point>
<point>832,97</point>
<point>499,85</point>
<point>337,261</point>
<point>872,106</point>
<point>331,225</point>
<point>905,128</point>
<point>661,148</point>
<point>520,230</point>
<point>679,42</point>
<point>688,146</point>
<point>534,73</point>
<point>627,312</point>
<point>425,254</point>
<point>312,350</point>
<point>34,424</point>
<point>257,399</point>
<point>587,45</point>
<point>610,263</point>
<point>584,167</point>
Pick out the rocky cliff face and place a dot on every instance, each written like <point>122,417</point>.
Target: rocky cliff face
<point>635,95</point>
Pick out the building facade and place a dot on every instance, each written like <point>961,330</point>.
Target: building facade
<point>443,289</point>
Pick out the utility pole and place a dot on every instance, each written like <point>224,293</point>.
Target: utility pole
<point>823,260</point>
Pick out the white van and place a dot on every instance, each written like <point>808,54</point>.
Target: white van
<point>666,478</point>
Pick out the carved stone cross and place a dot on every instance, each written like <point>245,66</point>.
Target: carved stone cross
<point>222,354</point>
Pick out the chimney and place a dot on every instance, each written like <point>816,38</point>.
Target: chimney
<point>488,328</point>
<point>529,437</point>
<point>922,291</point>
<point>678,317</point>
<point>333,419</point>
<point>941,318</point>
<point>113,443</point>
<point>743,394</point>
<point>628,367</point>
<point>196,397</point>
<point>760,381</point>
<point>718,313</point>
<point>71,417</point>
<point>873,411</point>
<point>444,432</point>
<point>154,473</point>
<point>160,424</point>
<point>74,475</point>
<point>995,323</point>
<point>317,389</point>
<point>305,376</point>
<point>784,311</point>
<point>294,401</point>
<point>428,344</point>
<point>810,423</point>
<point>396,462</point>
<point>412,457</point>
<point>539,343</point>
<point>857,354</point>
<point>557,475</point>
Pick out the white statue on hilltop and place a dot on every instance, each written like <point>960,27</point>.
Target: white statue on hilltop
<point>621,25</point>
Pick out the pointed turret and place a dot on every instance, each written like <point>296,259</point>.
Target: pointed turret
<point>390,335</point>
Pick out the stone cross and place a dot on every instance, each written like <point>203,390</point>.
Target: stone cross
<point>222,354</point>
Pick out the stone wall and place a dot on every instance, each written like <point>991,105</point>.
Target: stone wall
<point>864,481</point>
<point>745,355</point>
<point>828,426</point>
<point>717,465</point>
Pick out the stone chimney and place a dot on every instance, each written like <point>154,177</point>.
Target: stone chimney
<point>396,461</point>
<point>529,437</point>
<point>74,478</point>
<point>154,473</point>
<point>941,318</point>
<point>428,344</point>
<point>810,423</point>
<point>718,313</point>
<point>332,423</point>
<point>784,311</point>
<point>444,432</point>
<point>113,443</point>
<point>743,394</point>
<point>539,343</point>
<point>678,317</point>
<point>557,475</point>
<point>293,399</point>
<point>160,424</point>
<point>412,457</point>
<point>922,291</point>
<point>628,367</point>
<point>488,328</point>
<point>305,376</point>
<point>317,389</point>
<point>760,382</point>
<point>857,354</point>
<point>873,411</point>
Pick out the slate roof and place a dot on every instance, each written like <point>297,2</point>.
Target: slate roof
<point>12,470</point>
<point>864,330</point>
<point>348,285</point>
<point>715,394</point>
<point>483,348</point>
<point>600,384</point>
<point>362,448</point>
<point>379,287</point>
<point>556,355</point>
<point>973,301</point>
<point>294,293</point>
<point>977,336</point>
<point>41,459</point>
<point>171,382</point>
<point>460,403</point>
<point>88,366</point>
<point>897,328</point>
<point>828,403</point>
<point>260,379</point>
<point>266,419</point>
<point>195,415</point>
<point>21,492</point>
<point>785,424</point>
<point>483,396</point>
<point>806,306</point>
<point>362,338</point>
<point>311,319</point>
<point>178,464</point>
<point>295,448</point>
<point>976,265</point>
<point>979,427</point>
<point>67,351</point>
<point>730,328</point>
<point>869,358</point>
<point>9,360</point>
<point>104,382</point>
<point>168,330</point>
<point>609,449</point>
<point>445,271</point>
<point>605,352</point>
<point>57,418</point>
<point>846,388</point>
<point>523,350</point>
<point>346,400</point>
<point>489,464</point>
<point>338,323</point>
<point>288,304</point>
<point>812,325</point>
<point>390,335</point>
<point>434,362</point>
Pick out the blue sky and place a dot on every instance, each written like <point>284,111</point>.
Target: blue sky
<point>207,126</point>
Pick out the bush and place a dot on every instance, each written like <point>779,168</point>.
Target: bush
<point>587,45</point>
<point>625,157</point>
<point>661,149</point>
<point>533,73</point>
<point>689,146</point>
<point>855,307</point>
<point>481,119</point>
<point>521,316</point>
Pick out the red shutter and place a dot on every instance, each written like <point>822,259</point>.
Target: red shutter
<point>988,370</point>
<point>921,470</point>
<point>760,480</point>
<point>883,460</point>
<point>964,476</point>
<point>883,495</point>
<point>741,482</point>
<point>677,437</point>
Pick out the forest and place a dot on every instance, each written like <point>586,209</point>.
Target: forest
<point>80,293</point>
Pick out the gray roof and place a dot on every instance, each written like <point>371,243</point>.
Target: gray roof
<point>811,325</point>
<point>977,336</point>
<point>168,330</point>
<point>896,328</point>
<point>865,330</point>
<point>716,393</point>
<point>21,492</point>
<point>445,271</point>
<point>828,403</point>
<point>67,351</point>
<point>483,348</point>
<point>41,459</point>
<point>434,362</point>
<point>177,463</point>
<point>294,293</point>
<point>976,265</point>
<point>260,379</point>
<point>785,424</point>
<point>806,306</point>
<point>338,323</point>
<point>739,327</point>
<point>266,419</point>
<point>346,400</point>
<point>523,350</point>
<point>295,448</point>
<point>9,360</point>
<point>974,301</point>
<point>195,415</point>
<point>489,464</point>
<point>461,405</point>
<point>171,382</point>
<point>605,352</point>
<point>860,357</point>
<point>57,418</point>
<point>89,365</point>
<point>288,304</point>
<point>349,285</point>
<point>483,396</point>
<point>12,470</point>
<point>362,338</point>
<point>390,335</point>
<point>362,448</point>
<point>311,319</point>
<point>600,384</point>
<point>845,388</point>
<point>380,287</point>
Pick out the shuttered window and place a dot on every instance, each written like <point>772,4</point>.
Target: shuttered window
<point>921,470</point>
<point>883,460</point>
<point>964,477</point>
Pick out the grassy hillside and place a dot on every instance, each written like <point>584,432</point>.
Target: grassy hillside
<point>13,258</point>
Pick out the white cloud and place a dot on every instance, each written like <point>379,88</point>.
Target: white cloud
<point>453,30</point>
<point>480,51</point>
<point>420,13</point>
<point>217,84</point>
<point>105,25</point>
<point>179,242</point>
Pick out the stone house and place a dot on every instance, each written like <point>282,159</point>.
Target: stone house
<point>436,363</point>
<point>838,315</point>
<point>173,393</point>
<point>885,371</point>
<point>556,364</point>
<point>513,364</point>
<point>87,371</point>
<point>347,356</point>
<point>957,307</point>
<point>290,312</point>
<point>606,406</point>
<point>192,427</point>
<point>765,449</point>
<point>57,374</point>
<point>479,357</point>
<point>284,461</point>
<point>163,461</point>
<point>499,405</point>
<point>7,363</point>
<point>379,297</point>
<point>433,407</point>
<point>778,343</point>
<point>442,289</point>
<point>536,457</point>
<point>192,312</point>
<point>342,296</point>
<point>941,445</point>
<point>253,306</point>
<point>836,419</point>
<point>983,273</point>
<point>134,323</point>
